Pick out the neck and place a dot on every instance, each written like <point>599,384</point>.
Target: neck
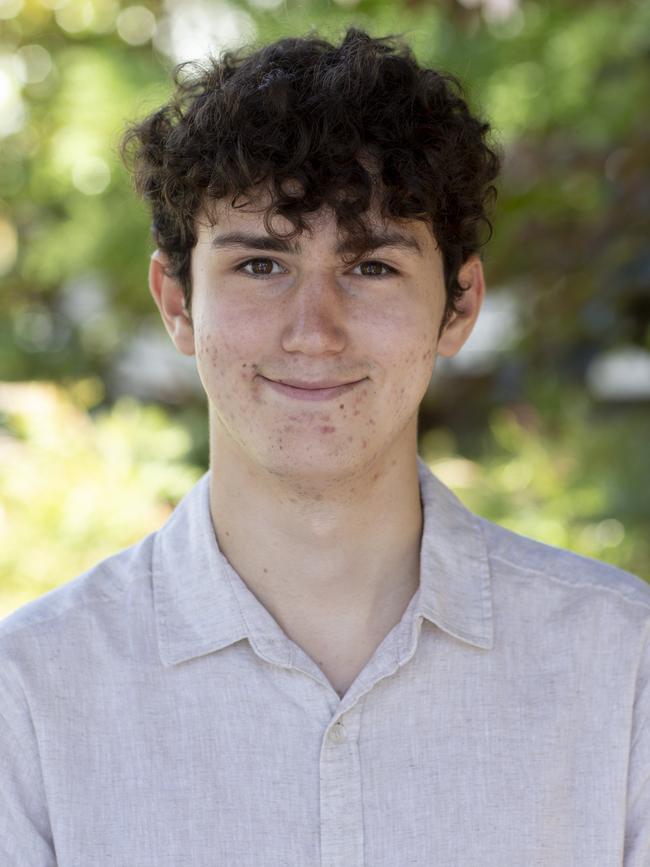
<point>343,549</point>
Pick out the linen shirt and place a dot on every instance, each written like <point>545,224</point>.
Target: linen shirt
<point>154,714</point>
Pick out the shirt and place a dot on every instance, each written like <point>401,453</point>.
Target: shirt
<point>154,714</point>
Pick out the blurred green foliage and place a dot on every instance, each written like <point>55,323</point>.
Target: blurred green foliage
<point>85,470</point>
<point>75,487</point>
<point>564,84</point>
<point>92,483</point>
<point>552,470</point>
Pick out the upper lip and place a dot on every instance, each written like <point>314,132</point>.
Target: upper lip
<point>322,383</point>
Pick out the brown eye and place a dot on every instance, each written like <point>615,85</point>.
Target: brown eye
<point>260,266</point>
<point>374,269</point>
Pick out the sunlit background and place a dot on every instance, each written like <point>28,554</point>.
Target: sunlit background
<point>542,423</point>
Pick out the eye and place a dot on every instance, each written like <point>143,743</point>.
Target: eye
<point>372,268</point>
<point>261,267</point>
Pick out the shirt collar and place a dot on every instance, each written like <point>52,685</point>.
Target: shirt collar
<point>455,586</point>
<point>198,596</point>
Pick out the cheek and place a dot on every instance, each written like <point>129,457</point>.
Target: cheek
<point>222,340</point>
<point>228,347</point>
<point>212,354</point>
<point>216,357</point>
<point>410,372</point>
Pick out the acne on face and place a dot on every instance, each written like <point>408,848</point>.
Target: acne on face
<point>314,319</point>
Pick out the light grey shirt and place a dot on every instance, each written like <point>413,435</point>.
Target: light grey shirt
<point>154,714</point>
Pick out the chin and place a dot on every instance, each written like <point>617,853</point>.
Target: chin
<point>318,462</point>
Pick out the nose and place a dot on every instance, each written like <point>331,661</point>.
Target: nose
<point>315,318</point>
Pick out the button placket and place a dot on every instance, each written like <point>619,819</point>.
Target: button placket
<point>341,804</point>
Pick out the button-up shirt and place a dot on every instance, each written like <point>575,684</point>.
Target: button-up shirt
<point>154,714</point>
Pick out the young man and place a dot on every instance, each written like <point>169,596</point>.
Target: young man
<point>323,658</point>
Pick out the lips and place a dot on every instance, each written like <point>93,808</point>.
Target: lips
<point>322,389</point>
<point>323,383</point>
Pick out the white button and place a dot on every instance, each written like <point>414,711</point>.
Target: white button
<point>337,733</point>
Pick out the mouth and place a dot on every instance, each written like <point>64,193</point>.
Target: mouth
<point>319,390</point>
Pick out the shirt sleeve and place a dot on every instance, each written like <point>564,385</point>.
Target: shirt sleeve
<point>25,835</point>
<point>637,824</point>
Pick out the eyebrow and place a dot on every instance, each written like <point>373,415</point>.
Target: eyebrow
<point>283,245</point>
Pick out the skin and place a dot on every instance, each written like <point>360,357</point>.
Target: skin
<point>328,490</point>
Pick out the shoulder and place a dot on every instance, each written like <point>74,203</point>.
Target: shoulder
<point>525,561</point>
<point>88,597</point>
<point>107,615</point>
<point>61,643</point>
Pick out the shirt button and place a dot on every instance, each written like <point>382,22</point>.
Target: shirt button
<point>337,733</point>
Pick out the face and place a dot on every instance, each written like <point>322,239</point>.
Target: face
<point>313,366</point>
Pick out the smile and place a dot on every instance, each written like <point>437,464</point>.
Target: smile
<point>310,391</point>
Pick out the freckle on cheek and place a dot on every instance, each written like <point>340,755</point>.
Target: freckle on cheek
<point>325,429</point>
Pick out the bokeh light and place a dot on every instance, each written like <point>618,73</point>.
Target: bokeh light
<point>193,29</point>
<point>36,63</point>
<point>12,108</point>
<point>136,25</point>
<point>75,16</point>
<point>10,8</point>
<point>91,175</point>
<point>563,340</point>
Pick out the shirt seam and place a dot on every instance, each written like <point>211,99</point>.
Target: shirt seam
<point>576,584</point>
<point>486,595</point>
<point>101,592</point>
<point>34,776</point>
<point>636,735</point>
<point>35,773</point>
<point>362,777</point>
<point>51,618</point>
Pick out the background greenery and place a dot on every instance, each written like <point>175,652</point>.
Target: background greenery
<point>90,460</point>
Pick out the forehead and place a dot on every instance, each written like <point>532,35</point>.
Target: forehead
<point>219,222</point>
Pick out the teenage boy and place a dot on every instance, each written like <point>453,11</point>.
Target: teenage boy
<point>323,658</point>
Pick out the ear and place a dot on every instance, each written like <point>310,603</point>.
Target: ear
<point>168,295</point>
<point>460,325</point>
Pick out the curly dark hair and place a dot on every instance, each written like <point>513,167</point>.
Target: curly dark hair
<point>351,123</point>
